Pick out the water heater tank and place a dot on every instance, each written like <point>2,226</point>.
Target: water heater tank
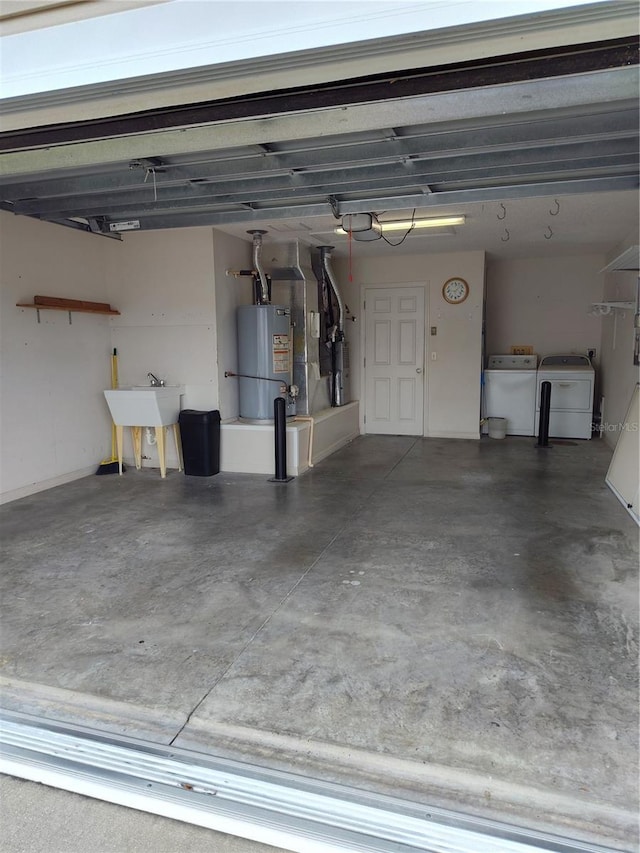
<point>264,351</point>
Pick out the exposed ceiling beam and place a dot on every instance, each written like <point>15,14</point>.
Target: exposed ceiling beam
<point>499,135</point>
<point>423,201</point>
<point>283,193</point>
<point>519,99</point>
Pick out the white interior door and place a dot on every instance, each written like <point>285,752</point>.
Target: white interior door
<point>394,360</point>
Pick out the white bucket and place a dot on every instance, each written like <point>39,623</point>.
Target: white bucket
<point>497,427</point>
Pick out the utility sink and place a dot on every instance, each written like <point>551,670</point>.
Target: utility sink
<point>145,405</point>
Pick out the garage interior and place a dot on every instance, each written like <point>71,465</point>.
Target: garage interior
<point>437,616</point>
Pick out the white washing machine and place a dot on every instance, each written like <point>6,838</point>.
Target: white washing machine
<point>510,391</point>
<point>572,379</point>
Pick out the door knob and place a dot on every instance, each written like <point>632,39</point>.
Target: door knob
<point>418,370</point>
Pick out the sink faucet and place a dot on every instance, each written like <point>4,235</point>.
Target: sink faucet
<point>154,381</point>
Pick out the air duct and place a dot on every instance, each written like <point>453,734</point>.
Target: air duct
<point>257,254</point>
<point>291,269</point>
<point>325,255</point>
<point>339,346</point>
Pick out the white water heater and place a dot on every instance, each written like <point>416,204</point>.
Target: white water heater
<point>264,360</point>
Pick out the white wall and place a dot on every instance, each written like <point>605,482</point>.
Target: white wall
<point>618,372</point>
<point>229,253</point>
<point>163,283</point>
<point>453,380</point>
<point>177,320</point>
<point>544,302</point>
<point>53,419</point>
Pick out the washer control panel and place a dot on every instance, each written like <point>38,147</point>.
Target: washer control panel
<point>512,362</point>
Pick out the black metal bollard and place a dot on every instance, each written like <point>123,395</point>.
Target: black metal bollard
<point>545,408</point>
<point>280,434</point>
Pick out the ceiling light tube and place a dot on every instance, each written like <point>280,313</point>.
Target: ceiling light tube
<point>437,222</point>
<point>405,224</point>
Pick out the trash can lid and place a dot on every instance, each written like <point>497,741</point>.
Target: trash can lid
<point>194,414</point>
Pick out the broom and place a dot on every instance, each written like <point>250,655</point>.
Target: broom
<point>111,466</point>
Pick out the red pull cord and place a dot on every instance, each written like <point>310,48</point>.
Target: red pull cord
<point>350,235</point>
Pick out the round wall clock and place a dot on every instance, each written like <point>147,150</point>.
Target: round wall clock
<point>455,290</point>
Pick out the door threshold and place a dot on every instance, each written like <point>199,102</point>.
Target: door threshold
<point>273,807</point>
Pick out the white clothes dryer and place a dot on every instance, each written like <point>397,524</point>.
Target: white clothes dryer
<point>572,379</point>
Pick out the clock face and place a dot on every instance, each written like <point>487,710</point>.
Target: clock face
<point>455,290</point>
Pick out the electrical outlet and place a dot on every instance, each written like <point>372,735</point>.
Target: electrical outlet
<point>591,352</point>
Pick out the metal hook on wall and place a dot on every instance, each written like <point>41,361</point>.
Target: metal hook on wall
<point>557,210</point>
<point>504,212</point>
<point>550,234</point>
<point>506,239</point>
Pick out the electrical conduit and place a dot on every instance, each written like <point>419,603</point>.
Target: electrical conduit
<point>311,423</point>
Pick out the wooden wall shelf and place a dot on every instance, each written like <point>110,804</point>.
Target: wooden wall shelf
<point>79,306</point>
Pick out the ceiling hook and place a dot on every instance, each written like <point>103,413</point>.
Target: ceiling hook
<point>504,212</point>
<point>549,235</point>
<point>506,231</point>
<point>335,209</point>
<point>557,210</point>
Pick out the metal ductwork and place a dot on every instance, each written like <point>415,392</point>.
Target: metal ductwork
<point>294,281</point>
<point>257,255</point>
<point>325,256</point>
<point>339,348</point>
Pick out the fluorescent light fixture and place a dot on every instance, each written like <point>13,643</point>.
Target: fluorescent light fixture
<point>405,224</point>
<point>439,222</point>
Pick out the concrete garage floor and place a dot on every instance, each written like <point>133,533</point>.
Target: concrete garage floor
<point>450,621</point>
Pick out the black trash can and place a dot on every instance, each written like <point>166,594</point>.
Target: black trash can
<point>200,437</point>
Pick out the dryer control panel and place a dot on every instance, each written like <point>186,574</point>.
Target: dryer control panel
<point>565,361</point>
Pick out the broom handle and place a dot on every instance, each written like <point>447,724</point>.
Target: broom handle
<point>114,371</point>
